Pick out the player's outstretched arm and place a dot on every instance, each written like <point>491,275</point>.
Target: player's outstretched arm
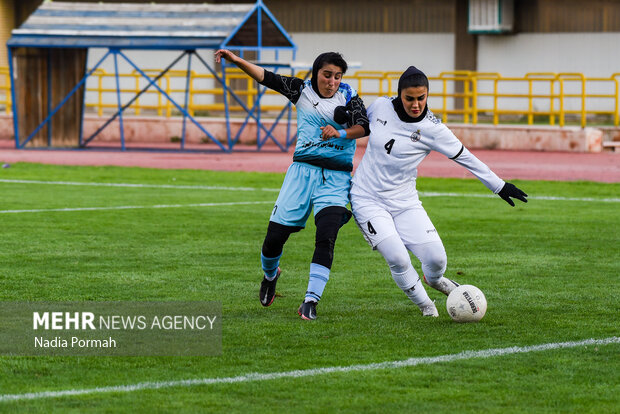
<point>254,71</point>
<point>511,190</point>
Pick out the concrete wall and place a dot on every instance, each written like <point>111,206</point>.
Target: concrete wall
<point>432,53</point>
<point>141,130</point>
<point>509,55</point>
<point>594,54</point>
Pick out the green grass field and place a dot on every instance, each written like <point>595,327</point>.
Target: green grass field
<point>549,270</point>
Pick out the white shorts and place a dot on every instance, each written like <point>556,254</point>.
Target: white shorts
<point>378,220</point>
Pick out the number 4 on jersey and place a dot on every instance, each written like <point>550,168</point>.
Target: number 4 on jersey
<point>388,146</point>
<point>371,229</point>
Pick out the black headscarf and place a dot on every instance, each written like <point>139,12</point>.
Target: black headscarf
<point>411,77</point>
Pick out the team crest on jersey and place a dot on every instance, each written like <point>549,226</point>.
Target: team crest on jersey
<point>415,136</point>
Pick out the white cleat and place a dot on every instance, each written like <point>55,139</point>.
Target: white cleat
<point>444,285</point>
<point>429,310</point>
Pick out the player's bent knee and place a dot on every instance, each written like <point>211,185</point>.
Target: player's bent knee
<point>434,260</point>
<point>277,235</point>
<point>398,261</point>
<point>332,217</point>
<point>395,254</point>
<point>328,221</point>
<point>434,267</point>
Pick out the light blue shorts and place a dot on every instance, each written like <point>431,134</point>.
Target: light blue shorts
<point>306,186</point>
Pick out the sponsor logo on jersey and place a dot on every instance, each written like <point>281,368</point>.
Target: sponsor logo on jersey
<point>315,104</point>
<point>416,135</point>
<point>382,121</point>
<point>323,144</point>
<point>431,117</point>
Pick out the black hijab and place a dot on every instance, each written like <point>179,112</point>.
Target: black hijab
<point>411,77</point>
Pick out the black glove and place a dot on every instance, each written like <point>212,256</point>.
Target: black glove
<point>510,190</point>
<point>341,115</point>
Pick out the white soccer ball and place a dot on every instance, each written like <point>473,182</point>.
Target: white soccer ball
<point>466,303</point>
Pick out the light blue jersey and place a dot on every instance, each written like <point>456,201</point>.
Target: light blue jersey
<point>320,175</point>
<point>314,112</point>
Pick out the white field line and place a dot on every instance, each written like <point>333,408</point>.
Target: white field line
<point>548,198</point>
<point>411,362</point>
<point>208,187</point>
<point>130,185</point>
<point>47,210</point>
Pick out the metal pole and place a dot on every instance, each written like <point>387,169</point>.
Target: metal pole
<point>118,98</point>
<point>187,87</point>
<point>13,76</point>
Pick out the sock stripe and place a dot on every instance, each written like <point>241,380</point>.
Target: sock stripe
<point>324,279</point>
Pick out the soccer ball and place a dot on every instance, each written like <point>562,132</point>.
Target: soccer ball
<point>466,303</point>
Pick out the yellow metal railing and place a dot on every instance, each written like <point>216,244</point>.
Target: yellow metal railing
<point>457,96</point>
<point>5,89</point>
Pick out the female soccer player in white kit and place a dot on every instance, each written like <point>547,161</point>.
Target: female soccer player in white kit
<point>384,199</point>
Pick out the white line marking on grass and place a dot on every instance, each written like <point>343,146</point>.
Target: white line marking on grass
<point>210,187</point>
<point>411,362</point>
<point>548,198</point>
<point>130,185</point>
<point>48,210</point>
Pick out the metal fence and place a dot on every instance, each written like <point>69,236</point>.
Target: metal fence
<point>459,96</point>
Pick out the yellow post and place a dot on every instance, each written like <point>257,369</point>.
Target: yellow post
<point>474,102</point>
<point>168,103</point>
<point>159,107</point>
<point>583,101</point>
<point>495,114</point>
<point>7,91</point>
<point>445,102</point>
<point>530,115</point>
<point>250,88</point>
<point>466,94</point>
<point>561,102</point>
<point>136,105</point>
<point>190,101</point>
<point>100,93</point>
<point>551,99</point>
<point>616,106</point>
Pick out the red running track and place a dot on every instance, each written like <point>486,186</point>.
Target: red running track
<point>509,165</point>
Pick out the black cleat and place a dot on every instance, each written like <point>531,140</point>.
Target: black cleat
<point>267,291</point>
<point>307,311</point>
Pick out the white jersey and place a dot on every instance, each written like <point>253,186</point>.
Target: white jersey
<point>389,168</point>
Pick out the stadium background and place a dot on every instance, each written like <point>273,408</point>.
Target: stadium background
<point>543,36</point>
<point>547,35</point>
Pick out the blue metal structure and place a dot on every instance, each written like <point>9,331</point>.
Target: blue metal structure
<point>182,27</point>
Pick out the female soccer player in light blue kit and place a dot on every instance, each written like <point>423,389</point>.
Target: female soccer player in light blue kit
<point>384,197</point>
<point>320,176</point>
